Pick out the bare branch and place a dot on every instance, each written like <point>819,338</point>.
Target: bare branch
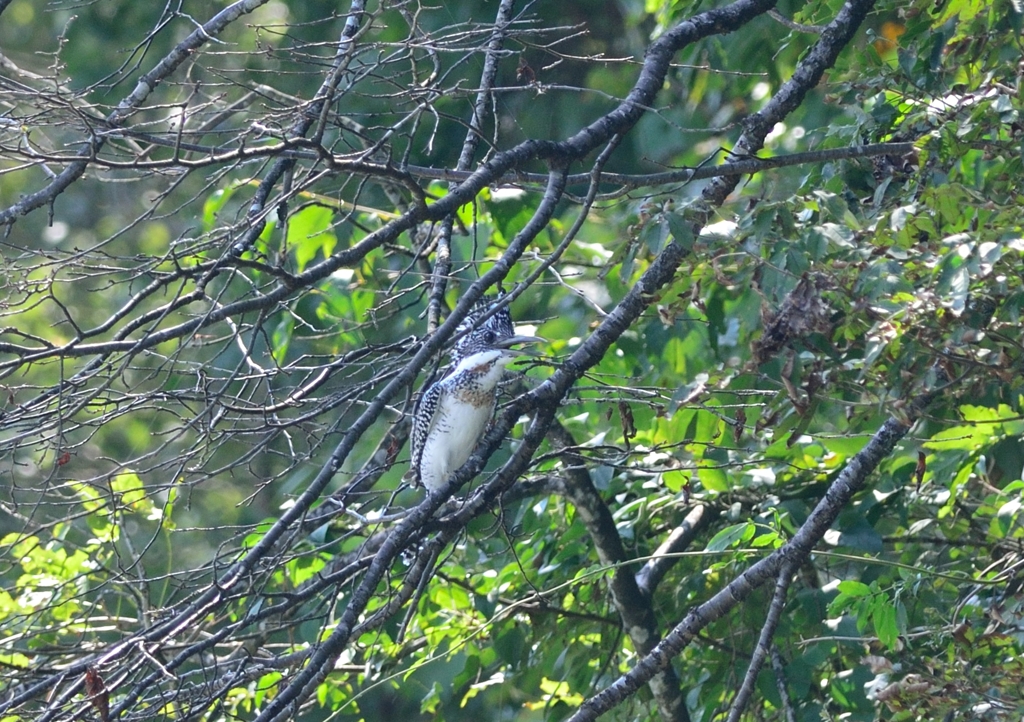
<point>680,538</point>
<point>764,642</point>
<point>633,606</point>
<point>128,105</point>
<point>853,478</point>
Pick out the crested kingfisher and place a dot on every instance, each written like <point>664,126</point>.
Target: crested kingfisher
<point>453,413</point>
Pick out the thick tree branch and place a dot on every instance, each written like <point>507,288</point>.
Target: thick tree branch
<point>778,667</point>
<point>764,641</point>
<point>633,606</point>
<point>851,480</point>
<point>680,538</point>
<point>822,56</point>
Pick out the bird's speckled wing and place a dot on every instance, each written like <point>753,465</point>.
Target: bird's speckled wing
<point>422,421</point>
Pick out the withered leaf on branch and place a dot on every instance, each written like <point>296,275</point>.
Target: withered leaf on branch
<point>524,73</point>
<point>802,312</point>
<point>97,693</point>
<point>628,426</point>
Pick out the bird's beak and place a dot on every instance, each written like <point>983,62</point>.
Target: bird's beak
<point>507,343</point>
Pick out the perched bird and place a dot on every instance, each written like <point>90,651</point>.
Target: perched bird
<point>453,413</point>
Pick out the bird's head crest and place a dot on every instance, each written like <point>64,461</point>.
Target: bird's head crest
<point>478,335</point>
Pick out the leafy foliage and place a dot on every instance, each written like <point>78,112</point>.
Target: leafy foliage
<point>215,333</point>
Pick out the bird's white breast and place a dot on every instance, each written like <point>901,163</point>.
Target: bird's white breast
<point>462,415</point>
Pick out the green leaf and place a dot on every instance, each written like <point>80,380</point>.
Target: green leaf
<point>132,492</point>
<point>712,477</point>
<point>432,699</point>
<point>510,212</point>
<point>965,9</point>
<point>853,588</point>
<point>770,538</point>
<point>731,536</point>
<point>675,480</point>
<point>16,660</point>
<point>883,618</point>
<point>843,445</point>
<point>682,230</point>
<point>281,338</point>
<point>213,204</point>
<point>709,427</point>
<point>654,236</point>
<point>310,233</point>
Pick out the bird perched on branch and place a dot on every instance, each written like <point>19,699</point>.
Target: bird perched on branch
<point>453,413</point>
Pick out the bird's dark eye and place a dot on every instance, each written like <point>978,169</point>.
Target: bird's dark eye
<point>489,336</point>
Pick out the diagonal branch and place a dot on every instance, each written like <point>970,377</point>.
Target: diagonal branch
<point>679,539</point>
<point>145,85</point>
<point>851,480</point>
<point>443,259</point>
<point>764,642</point>
<point>312,114</point>
<point>634,607</point>
<point>822,56</point>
